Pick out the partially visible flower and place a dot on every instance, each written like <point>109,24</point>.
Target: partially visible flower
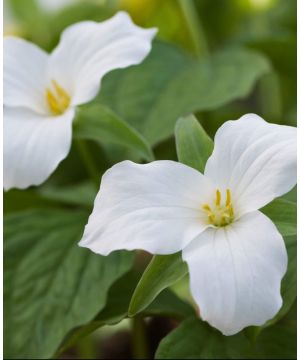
<point>235,254</point>
<point>41,91</point>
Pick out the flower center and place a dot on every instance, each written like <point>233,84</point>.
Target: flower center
<point>58,99</point>
<point>220,214</point>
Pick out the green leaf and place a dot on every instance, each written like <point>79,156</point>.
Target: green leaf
<point>99,123</point>
<point>76,194</point>
<point>115,310</point>
<point>51,284</point>
<point>27,13</point>
<point>194,339</point>
<point>277,342</point>
<point>19,200</point>
<point>169,304</point>
<point>193,145</point>
<point>291,195</point>
<point>119,295</point>
<point>163,271</point>
<point>284,214</point>
<point>169,84</point>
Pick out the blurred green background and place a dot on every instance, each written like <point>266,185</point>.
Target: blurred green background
<point>151,96</point>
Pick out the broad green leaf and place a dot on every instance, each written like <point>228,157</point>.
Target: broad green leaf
<point>291,195</point>
<point>99,123</point>
<point>284,214</point>
<point>163,271</point>
<point>119,295</point>
<point>277,342</point>
<point>169,84</point>
<point>24,11</point>
<point>194,339</point>
<point>115,310</point>
<point>193,145</point>
<point>169,304</point>
<point>51,284</point>
<point>19,200</point>
<point>77,194</point>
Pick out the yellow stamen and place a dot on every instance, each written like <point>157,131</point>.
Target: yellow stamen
<point>223,220</point>
<point>228,197</point>
<point>218,197</point>
<point>211,218</point>
<point>206,207</point>
<point>58,100</point>
<point>220,214</point>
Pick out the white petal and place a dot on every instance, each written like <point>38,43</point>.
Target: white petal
<point>154,207</point>
<point>235,273</point>
<point>255,159</point>
<point>24,73</point>
<point>33,146</point>
<point>88,50</point>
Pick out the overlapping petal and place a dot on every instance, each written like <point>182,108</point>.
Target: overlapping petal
<point>88,50</point>
<point>154,207</point>
<point>24,75</point>
<point>255,159</point>
<point>33,145</point>
<point>235,273</point>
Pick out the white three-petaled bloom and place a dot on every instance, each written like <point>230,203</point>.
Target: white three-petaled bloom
<point>41,91</point>
<point>235,254</point>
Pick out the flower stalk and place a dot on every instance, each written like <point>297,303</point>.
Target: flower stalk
<point>195,27</point>
<point>140,348</point>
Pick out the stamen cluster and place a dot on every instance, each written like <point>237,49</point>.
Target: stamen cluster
<point>58,100</point>
<point>220,214</point>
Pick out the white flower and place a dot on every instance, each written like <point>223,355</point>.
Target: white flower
<point>235,255</point>
<point>41,91</point>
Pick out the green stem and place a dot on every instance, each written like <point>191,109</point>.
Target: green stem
<point>86,348</point>
<point>88,160</point>
<point>195,27</point>
<point>140,348</point>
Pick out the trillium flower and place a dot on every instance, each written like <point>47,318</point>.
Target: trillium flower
<point>41,91</point>
<point>235,254</point>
